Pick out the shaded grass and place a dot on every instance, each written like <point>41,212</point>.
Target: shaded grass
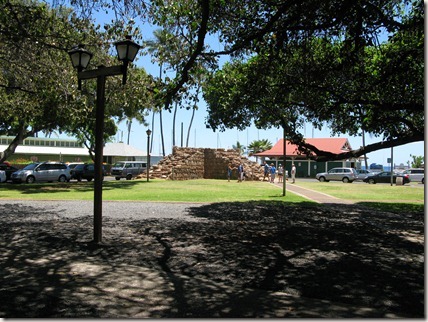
<point>155,190</point>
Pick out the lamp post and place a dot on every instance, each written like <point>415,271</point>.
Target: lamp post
<point>148,154</point>
<point>80,58</point>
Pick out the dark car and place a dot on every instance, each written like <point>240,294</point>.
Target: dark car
<point>8,169</point>
<point>84,171</point>
<point>385,177</point>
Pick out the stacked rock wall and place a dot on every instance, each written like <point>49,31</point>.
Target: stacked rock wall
<point>198,163</point>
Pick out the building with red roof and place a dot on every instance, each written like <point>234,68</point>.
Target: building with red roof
<point>304,166</point>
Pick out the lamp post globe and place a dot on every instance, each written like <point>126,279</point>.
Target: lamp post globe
<point>127,50</point>
<point>80,57</point>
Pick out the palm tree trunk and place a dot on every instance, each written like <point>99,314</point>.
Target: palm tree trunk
<point>153,128</point>
<point>160,117</point>
<point>173,124</point>
<point>161,130</point>
<point>190,125</point>
<point>129,130</point>
<point>364,147</point>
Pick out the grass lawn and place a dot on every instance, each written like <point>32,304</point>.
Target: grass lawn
<point>155,190</point>
<point>407,198</point>
<point>398,199</point>
<point>381,192</point>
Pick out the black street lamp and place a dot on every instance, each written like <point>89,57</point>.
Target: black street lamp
<point>80,58</point>
<point>148,154</point>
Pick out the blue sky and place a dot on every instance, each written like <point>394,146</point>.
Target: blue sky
<point>200,136</point>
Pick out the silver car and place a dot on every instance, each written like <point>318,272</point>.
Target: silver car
<point>338,174</point>
<point>416,175</point>
<point>45,171</point>
<point>363,173</point>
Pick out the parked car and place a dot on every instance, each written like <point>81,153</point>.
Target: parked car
<point>385,177</point>
<point>8,169</point>
<point>128,169</point>
<point>84,171</point>
<point>72,165</point>
<point>2,176</point>
<point>363,173</point>
<point>338,174</point>
<point>45,171</point>
<point>417,175</point>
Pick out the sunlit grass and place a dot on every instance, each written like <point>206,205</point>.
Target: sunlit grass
<point>397,207</point>
<point>155,190</point>
<point>368,192</point>
<point>380,196</point>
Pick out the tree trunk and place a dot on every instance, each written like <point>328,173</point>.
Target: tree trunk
<point>190,125</point>
<point>160,117</point>
<point>173,123</point>
<point>153,128</point>
<point>364,147</point>
<point>10,150</point>
<point>129,130</point>
<point>161,130</point>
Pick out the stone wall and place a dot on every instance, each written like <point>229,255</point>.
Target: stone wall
<point>198,163</point>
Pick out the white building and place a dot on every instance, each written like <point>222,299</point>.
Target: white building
<point>36,149</point>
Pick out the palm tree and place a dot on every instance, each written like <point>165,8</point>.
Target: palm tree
<point>258,146</point>
<point>173,123</point>
<point>128,125</point>
<point>155,47</point>
<point>190,125</point>
<point>239,147</point>
<point>195,107</point>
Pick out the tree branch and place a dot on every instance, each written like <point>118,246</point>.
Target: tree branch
<point>205,8</point>
<point>321,156</point>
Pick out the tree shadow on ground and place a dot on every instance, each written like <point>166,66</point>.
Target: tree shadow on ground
<point>59,187</point>
<point>240,259</point>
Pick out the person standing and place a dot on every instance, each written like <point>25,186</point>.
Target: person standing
<point>240,172</point>
<point>229,171</point>
<point>266,171</point>
<point>280,173</point>
<point>293,173</point>
<point>272,173</point>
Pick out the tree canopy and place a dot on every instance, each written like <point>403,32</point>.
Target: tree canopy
<point>353,65</point>
<point>336,73</point>
<point>38,86</point>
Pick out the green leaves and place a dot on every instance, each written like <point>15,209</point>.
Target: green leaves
<point>325,72</point>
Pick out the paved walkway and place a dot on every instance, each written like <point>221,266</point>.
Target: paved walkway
<point>313,195</point>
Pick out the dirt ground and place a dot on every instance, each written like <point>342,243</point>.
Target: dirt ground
<point>234,260</point>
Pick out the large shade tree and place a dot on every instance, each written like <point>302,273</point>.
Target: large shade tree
<point>34,78</point>
<point>355,65</point>
<point>336,74</point>
<point>38,84</point>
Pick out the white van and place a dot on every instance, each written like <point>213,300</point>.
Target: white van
<point>45,171</point>
<point>128,169</point>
